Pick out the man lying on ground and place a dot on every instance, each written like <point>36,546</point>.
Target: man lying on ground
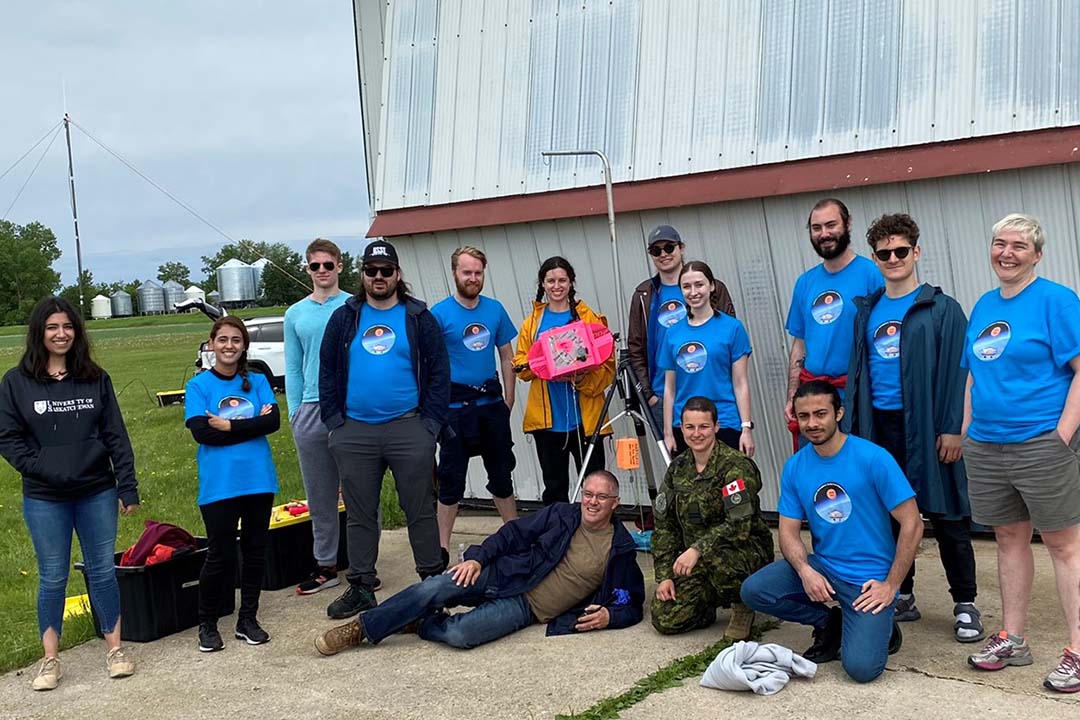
<point>572,567</point>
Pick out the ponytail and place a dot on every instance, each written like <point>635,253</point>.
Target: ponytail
<point>242,370</point>
<point>572,297</point>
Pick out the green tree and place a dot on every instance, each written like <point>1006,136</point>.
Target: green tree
<point>350,274</point>
<point>174,270</point>
<point>89,290</point>
<point>277,287</point>
<point>27,253</point>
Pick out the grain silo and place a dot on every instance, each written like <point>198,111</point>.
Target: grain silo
<point>236,282</point>
<point>174,293</point>
<point>213,297</point>
<point>100,307</point>
<point>151,298</point>
<point>195,293</point>
<point>121,304</point>
<point>257,269</point>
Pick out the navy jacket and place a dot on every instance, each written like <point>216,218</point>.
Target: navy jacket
<point>932,388</point>
<point>524,551</point>
<point>430,363</point>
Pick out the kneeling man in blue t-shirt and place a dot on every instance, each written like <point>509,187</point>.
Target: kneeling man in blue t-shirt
<point>845,488</point>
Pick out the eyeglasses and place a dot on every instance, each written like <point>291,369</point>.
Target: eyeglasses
<point>665,249</point>
<point>386,272</point>
<point>327,266</point>
<point>602,497</point>
<point>901,253</point>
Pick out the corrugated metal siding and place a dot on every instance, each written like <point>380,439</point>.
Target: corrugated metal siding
<point>474,91</point>
<point>758,248</point>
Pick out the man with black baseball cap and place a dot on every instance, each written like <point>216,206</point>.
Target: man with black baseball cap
<point>656,305</point>
<point>384,392</point>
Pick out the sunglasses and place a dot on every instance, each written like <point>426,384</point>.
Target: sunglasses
<point>386,272</point>
<point>327,266</point>
<point>665,249</point>
<point>900,252</point>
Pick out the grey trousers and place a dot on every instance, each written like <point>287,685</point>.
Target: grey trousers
<point>321,481</point>
<point>363,452</point>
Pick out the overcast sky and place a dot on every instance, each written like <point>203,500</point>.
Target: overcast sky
<point>248,111</point>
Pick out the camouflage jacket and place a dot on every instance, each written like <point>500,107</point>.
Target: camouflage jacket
<point>716,511</point>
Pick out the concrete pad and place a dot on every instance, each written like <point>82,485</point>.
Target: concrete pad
<point>528,675</point>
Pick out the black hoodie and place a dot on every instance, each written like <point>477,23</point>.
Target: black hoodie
<point>66,437</point>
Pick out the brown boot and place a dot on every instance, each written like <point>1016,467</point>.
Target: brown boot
<point>740,624</point>
<point>340,638</point>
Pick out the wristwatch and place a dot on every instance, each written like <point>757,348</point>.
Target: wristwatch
<point>748,424</point>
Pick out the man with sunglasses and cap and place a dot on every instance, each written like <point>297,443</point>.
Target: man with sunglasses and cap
<point>305,322</point>
<point>905,392</point>
<point>384,392</point>
<point>656,305</point>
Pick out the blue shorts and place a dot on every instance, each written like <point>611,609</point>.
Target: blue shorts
<point>482,430</point>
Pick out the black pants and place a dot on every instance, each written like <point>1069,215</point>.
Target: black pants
<point>953,536</point>
<point>218,575</point>
<point>728,436</point>
<point>553,451</point>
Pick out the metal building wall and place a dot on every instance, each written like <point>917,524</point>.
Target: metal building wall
<point>758,248</point>
<point>473,91</point>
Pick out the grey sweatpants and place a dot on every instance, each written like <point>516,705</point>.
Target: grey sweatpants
<point>321,481</point>
<point>363,452</point>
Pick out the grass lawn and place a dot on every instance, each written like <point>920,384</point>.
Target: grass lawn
<point>142,360</point>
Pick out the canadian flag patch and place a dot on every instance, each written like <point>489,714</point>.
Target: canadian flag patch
<point>734,487</point>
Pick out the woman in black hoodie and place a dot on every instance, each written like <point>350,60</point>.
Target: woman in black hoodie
<point>61,429</point>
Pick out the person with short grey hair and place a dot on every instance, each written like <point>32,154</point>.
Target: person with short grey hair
<point>1021,446</point>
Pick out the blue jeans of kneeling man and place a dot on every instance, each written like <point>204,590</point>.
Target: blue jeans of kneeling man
<point>490,619</point>
<point>777,590</point>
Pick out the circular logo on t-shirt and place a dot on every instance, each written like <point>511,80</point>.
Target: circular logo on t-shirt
<point>832,503</point>
<point>235,408</point>
<point>692,357</point>
<point>378,339</point>
<point>887,339</point>
<point>476,337</point>
<point>991,342</point>
<point>827,307</point>
<point>671,312</point>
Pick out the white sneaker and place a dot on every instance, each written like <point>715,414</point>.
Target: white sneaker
<point>49,674</point>
<point>119,664</point>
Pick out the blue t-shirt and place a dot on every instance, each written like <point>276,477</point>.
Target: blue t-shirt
<point>472,337</point>
<point>1018,351</point>
<point>670,309</point>
<point>883,339</point>
<point>822,313</point>
<point>231,471</point>
<point>381,384</point>
<point>702,358</point>
<point>846,499</point>
<point>565,415</point>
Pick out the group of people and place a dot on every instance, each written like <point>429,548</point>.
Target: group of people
<point>963,420</point>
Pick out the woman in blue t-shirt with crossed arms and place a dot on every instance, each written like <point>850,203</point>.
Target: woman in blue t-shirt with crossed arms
<point>1021,412</point>
<point>230,413</point>
<point>707,354</point>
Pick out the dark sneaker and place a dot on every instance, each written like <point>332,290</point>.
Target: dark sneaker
<point>1000,652</point>
<point>1066,676</point>
<point>209,638</point>
<point>354,600</point>
<point>339,638</point>
<point>377,586</point>
<point>322,578</point>
<point>896,640</point>
<point>249,630</point>
<point>906,610</point>
<point>826,645</point>
<point>967,627</point>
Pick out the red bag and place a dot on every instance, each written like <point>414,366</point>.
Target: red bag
<point>157,533</point>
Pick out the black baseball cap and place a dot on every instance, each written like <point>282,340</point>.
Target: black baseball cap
<point>663,232</point>
<point>380,250</point>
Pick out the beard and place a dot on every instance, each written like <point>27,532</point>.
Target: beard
<point>468,290</point>
<point>374,294</point>
<point>842,243</point>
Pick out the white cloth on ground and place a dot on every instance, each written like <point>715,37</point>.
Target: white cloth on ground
<point>765,669</point>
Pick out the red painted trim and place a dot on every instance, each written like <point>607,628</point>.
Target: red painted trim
<point>918,162</point>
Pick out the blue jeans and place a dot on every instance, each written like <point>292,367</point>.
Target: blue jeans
<point>490,619</point>
<point>777,590</point>
<point>50,523</point>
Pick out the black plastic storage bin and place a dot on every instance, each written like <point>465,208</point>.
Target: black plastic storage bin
<point>288,554</point>
<point>161,599</point>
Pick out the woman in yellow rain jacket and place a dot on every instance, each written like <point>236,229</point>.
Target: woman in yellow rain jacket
<point>561,415</point>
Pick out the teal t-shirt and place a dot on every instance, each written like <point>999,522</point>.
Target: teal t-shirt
<point>883,334</point>
<point>381,385</point>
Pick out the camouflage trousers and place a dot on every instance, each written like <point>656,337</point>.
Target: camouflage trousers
<point>711,585</point>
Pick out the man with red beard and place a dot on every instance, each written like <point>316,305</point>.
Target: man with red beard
<point>821,317</point>
<point>472,326</point>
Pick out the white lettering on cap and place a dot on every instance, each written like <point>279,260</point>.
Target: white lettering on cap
<point>380,250</point>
